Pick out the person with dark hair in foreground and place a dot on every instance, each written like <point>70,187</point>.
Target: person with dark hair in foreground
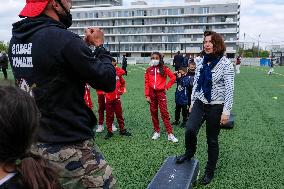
<point>212,99</point>
<point>53,65</point>
<point>19,121</point>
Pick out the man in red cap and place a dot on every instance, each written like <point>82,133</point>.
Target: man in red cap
<point>53,65</point>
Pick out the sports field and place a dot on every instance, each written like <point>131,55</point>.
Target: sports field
<point>251,154</point>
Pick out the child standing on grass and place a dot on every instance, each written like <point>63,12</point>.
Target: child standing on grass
<point>155,93</point>
<point>101,112</point>
<point>190,74</point>
<point>113,104</point>
<point>181,96</point>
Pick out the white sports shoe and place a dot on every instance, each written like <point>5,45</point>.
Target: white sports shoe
<point>156,136</point>
<point>172,138</point>
<point>114,128</point>
<point>100,129</point>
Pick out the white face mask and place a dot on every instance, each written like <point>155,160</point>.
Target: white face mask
<point>154,62</point>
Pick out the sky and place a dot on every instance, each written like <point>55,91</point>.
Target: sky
<point>261,20</point>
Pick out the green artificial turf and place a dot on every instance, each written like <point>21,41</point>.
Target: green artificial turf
<point>251,154</point>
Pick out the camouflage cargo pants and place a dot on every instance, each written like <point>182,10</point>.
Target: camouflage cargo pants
<point>80,165</point>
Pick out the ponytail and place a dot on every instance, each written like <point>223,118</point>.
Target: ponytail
<point>36,173</point>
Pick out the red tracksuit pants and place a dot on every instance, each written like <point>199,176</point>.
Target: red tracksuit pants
<point>114,106</point>
<point>159,99</point>
<point>101,109</point>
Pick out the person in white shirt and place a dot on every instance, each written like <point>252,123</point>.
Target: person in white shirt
<point>212,99</point>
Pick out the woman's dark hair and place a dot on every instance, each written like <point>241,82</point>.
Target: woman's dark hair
<point>19,120</point>
<point>217,40</point>
<point>161,64</point>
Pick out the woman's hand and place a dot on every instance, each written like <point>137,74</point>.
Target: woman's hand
<point>224,119</point>
<point>148,99</point>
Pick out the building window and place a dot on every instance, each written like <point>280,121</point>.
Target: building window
<point>175,12</point>
<point>132,22</point>
<point>182,11</point>
<point>97,15</point>
<point>166,21</point>
<point>113,23</point>
<point>223,18</point>
<point>192,10</point>
<point>133,13</point>
<point>205,10</point>
<point>143,23</point>
<point>125,13</point>
<point>145,13</point>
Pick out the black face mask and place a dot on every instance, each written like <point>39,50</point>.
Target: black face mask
<point>64,19</point>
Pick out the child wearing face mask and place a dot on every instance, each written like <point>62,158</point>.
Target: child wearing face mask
<point>155,93</point>
<point>181,96</point>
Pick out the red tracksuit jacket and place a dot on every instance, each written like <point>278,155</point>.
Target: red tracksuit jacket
<point>154,80</point>
<point>120,85</point>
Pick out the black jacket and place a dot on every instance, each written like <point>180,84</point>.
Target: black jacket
<point>4,61</point>
<point>178,61</point>
<point>53,65</point>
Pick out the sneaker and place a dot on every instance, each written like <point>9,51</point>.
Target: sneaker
<point>108,135</point>
<point>100,129</point>
<point>125,133</point>
<point>172,138</point>
<point>114,128</point>
<point>156,136</point>
<point>175,123</point>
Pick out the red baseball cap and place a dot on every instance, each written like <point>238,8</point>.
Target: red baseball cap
<point>33,8</point>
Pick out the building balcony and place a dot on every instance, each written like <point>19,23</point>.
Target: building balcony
<point>158,25</point>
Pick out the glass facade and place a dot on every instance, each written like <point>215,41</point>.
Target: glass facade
<point>143,29</point>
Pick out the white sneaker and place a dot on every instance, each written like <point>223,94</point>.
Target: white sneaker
<point>100,129</point>
<point>114,128</point>
<point>156,136</point>
<point>172,138</point>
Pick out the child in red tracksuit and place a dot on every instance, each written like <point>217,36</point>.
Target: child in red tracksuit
<point>155,93</point>
<point>101,112</point>
<point>113,104</point>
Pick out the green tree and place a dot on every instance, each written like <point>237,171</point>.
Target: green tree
<point>3,46</point>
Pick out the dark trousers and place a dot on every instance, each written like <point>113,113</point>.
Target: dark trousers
<point>124,68</point>
<point>4,70</point>
<point>184,110</point>
<point>212,115</point>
